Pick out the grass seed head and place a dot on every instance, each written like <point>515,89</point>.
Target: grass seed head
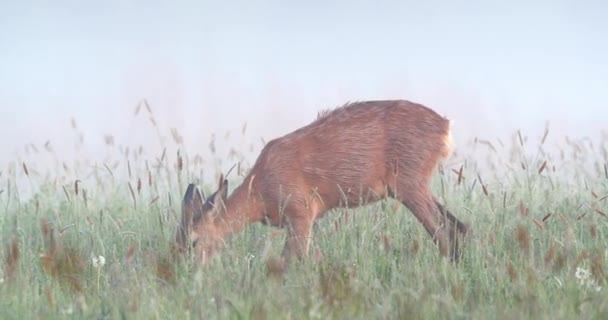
<point>550,254</point>
<point>415,246</point>
<point>11,265</point>
<point>511,271</point>
<point>523,238</point>
<point>597,268</point>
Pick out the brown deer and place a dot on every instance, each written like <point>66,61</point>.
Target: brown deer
<point>355,154</point>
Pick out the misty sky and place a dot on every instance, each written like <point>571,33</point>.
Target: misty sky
<point>207,67</point>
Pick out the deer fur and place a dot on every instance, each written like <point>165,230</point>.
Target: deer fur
<point>353,155</point>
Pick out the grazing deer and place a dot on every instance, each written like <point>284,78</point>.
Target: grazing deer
<point>358,153</point>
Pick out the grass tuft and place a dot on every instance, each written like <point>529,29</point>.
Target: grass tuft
<point>93,238</point>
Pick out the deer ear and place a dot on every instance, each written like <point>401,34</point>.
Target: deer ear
<point>192,210</point>
<point>220,181</point>
<point>222,192</point>
<point>218,198</point>
<point>192,204</point>
<point>222,188</point>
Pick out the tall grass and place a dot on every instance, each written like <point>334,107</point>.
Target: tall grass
<point>93,240</point>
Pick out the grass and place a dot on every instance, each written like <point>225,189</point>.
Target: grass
<point>538,251</point>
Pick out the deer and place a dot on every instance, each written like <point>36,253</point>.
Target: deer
<point>356,154</point>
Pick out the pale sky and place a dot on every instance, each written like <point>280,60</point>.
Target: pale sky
<point>207,66</point>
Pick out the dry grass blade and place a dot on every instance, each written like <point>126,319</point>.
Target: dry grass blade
<point>538,224</point>
<point>27,173</point>
<point>601,213</point>
<point>132,195</point>
<point>64,229</point>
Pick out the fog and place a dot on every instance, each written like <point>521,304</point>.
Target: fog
<point>209,67</point>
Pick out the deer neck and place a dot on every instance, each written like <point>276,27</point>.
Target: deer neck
<point>241,208</point>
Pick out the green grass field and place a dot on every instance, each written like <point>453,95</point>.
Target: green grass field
<point>537,218</point>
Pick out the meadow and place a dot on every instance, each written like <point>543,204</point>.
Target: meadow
<point>93,240</point>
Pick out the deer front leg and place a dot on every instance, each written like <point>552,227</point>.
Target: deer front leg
<point>299,229</point>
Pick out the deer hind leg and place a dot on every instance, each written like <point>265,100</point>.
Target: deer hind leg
<point>459,226</point>
<point>457,230</point>
<point>438,222</point>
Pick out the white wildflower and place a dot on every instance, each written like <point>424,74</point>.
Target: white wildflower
<point>581,274</point>
<point>99,262</point>
<point>250,256</point>
<point>68,310</point>
<point>584,279</point>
